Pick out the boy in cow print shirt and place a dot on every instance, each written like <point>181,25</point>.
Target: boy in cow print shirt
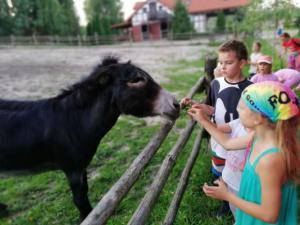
<point>224,96</point>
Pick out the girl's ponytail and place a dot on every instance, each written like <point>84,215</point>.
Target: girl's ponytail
<point>286,134</point>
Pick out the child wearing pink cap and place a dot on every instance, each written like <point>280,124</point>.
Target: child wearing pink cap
<point>264,70</point>
<point>289,77</point>
<point>268,190</point>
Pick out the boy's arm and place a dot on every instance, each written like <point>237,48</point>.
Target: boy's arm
<point>222,138</point>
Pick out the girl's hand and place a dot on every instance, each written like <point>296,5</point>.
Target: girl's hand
<point>197,114</point>
<point>217,192</point>
<point>207,109</point>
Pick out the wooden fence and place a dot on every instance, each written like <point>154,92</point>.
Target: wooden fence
<point>80,40</point>
<point>106,206</point>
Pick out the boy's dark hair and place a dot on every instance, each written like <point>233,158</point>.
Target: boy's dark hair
<point>285,35</point>
<point>258,44</point>
<point>236,46</point>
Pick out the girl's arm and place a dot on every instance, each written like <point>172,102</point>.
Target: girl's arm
<point>222,138</point>
<point>271,173</point>
<point>225,128</point>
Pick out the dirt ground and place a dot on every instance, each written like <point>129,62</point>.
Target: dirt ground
<point>37,72</point>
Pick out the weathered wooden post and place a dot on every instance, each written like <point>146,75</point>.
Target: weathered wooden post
<point>209,66</point>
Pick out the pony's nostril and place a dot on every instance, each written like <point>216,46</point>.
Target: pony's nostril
<point>176,105</point>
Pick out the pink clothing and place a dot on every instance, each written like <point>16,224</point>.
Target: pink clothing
<point>266,77</point>
<point>294,61</point>
<point>289,77</point>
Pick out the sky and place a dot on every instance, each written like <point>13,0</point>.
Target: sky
<point>127,8</point>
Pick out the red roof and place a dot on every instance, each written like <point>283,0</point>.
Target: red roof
<point>199,6</point>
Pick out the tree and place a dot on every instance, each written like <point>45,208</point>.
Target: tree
<point>25,17</point>
<point>50,18</point>
<point>70,25</point>
<point>297,24</point>
<point>101,15</point>
<point>181,22</point>
<point>5,18</point>
<point>46,17</point>
<point>269,13</point>
<point>221,22</point>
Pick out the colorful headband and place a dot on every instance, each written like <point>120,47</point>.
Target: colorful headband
<point>272,99</point>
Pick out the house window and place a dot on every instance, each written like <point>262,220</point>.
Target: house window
<point>152,6</point>
<point>144,10</point>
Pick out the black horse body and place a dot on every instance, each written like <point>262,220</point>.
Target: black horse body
<point>64,132</point>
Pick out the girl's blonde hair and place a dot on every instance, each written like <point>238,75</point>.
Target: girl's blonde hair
<point>286,134</point>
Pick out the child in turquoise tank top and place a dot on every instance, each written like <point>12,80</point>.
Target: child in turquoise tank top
<point>270,112</point>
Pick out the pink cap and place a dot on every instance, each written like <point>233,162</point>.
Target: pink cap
<point>265,59</point>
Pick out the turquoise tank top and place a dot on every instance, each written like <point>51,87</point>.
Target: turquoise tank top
<point>250,190</point>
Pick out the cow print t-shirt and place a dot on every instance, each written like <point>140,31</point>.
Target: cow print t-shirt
<point>224,96</point>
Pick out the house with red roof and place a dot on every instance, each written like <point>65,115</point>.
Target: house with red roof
<point>151,18</point>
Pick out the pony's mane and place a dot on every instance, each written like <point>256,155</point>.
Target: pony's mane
<point>89,81</point>
<point>15,105</point>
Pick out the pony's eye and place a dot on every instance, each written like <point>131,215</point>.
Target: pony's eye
<point>137,79</point>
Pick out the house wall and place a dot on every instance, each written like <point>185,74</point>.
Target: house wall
<point>137,33</point>
<point>141,15</point>
<point>154,30</point>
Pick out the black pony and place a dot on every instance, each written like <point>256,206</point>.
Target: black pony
<point>63,132</point>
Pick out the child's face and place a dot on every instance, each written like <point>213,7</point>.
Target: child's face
<point>284,39</point>
<point>230,65</point>
<point>247,116</point>
<point>264,68</point>
<point>255,47</point>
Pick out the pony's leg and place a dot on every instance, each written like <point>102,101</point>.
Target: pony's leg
<point>79,187</point>
<point>3,210</point>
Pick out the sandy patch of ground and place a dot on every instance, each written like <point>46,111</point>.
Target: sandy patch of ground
<point>34,73</point>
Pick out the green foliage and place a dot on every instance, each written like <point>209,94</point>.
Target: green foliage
<point>101,15</point>
<point>47,17</point>
<point>250,19</point>
<point>181,22</point>
<point>221,22</point>
<point>70,21</point>
<point>5,18</point>
<point>297,24</point>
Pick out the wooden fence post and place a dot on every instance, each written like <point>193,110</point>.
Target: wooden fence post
<point>12,40</point>
<point>210,65</point>
<point>112,198</point>
<point>79,40</point>
<point>96,38</point>
<point>143,211</point>
<point>174,206</point>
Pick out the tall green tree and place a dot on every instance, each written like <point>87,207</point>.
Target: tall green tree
<point>221,22</point>
<point>101,14</point>
<point>50,17</point>
<point>44,17</point>
<point>5,18</point>
<point>25,16</point>
<point>181,22</point>
<point>70,24</point>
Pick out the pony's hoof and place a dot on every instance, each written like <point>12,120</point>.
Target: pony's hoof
<point>3,210</point>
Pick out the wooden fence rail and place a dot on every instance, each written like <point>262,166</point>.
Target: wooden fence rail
<point>106,206</point>
<point>84,40</point>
